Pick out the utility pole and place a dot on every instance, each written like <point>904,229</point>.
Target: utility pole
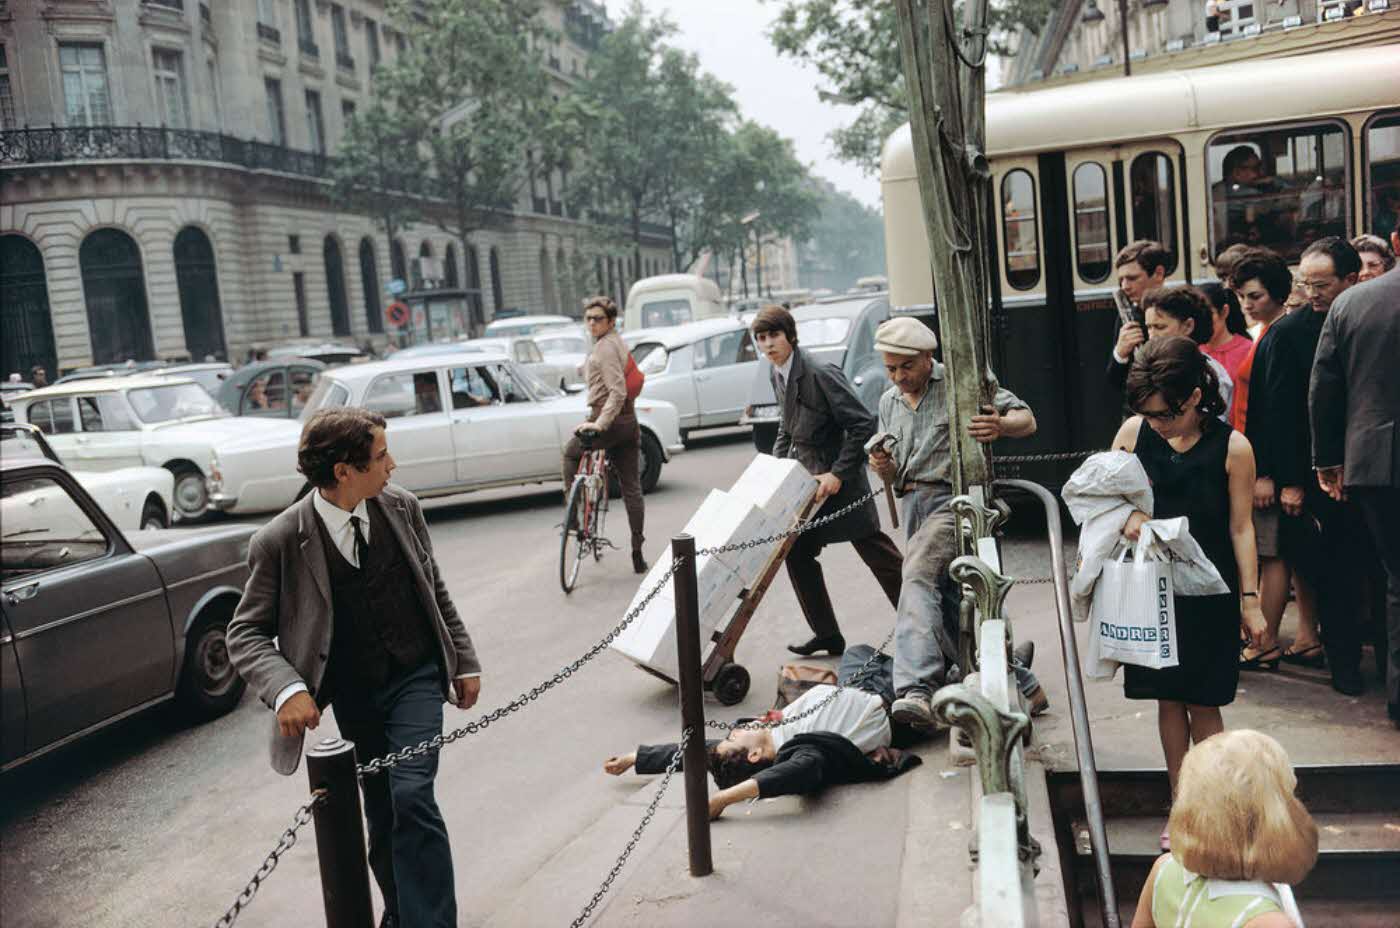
<point>1123,31</point>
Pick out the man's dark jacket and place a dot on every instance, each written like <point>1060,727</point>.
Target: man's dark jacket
<point>805,764</point>
<point>825,427</point>
<point>1277,422</point>
<point>1355,395</point>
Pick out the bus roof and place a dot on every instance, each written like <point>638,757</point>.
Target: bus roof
<point>1150,106</point>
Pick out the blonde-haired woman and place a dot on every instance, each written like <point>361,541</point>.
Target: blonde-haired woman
<point>1240,838</point>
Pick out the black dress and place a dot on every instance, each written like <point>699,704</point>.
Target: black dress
<point>1194,484</point>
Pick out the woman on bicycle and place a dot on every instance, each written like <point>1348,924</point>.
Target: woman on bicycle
<point>612,417</point>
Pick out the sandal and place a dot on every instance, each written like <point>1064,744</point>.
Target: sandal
<point>1311,656</point>
<point>1263,660</point>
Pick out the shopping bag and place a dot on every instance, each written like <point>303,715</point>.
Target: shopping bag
<point>1132,619</point>
<point>796,679</point>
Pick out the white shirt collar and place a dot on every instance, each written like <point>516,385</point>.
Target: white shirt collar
<point>338,520</point>
<point>786,368</point>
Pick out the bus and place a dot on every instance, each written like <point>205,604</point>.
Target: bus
<point>1078,171</point>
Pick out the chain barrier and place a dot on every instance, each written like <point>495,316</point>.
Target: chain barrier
<point>671,769</point>
<point>285,843</point>
<point>1043,458</point>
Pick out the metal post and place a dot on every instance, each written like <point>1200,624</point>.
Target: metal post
<point>758,259</point>
<point>340,836</point>
<point>1123,30</point>
<point>697,793</point>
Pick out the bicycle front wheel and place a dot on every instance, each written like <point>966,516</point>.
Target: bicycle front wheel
<point>573,544</point>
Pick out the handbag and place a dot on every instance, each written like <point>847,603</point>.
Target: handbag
<point>1132,619</point>
<point>635,378</point>
<point>796,679</point>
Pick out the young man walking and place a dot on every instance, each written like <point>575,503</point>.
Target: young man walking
<point>345,606</point>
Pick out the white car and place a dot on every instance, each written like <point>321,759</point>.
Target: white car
<point>473,421</point>
<point>108,423</point>
<point>704,368</point>
<point>135,498</point>
<point>525,325</point>
<point>566,348</point>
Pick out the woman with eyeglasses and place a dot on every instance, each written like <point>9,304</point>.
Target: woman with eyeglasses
<point>612,417</point>
<point>1202,469</point>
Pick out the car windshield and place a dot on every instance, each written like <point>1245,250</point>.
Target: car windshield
<point>210,378</point>
<point>816,333</point>
<point>177,401</point>
<point>562,344</point>
<point>538,387</point>
<point>328,393</point>
<point>665,312</point>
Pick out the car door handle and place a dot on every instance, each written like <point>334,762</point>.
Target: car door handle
<point>23,594</point>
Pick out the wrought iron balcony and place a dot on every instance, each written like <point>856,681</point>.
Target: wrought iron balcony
<point>309,49</point>
<point>269,33</point>
<point>170,4</point>
<point>344,61</point>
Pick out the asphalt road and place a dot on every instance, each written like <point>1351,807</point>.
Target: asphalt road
<point>152,823</point>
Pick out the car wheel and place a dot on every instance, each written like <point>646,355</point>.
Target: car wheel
<point>191,491</point>
<point>209,684</point>
<point>765,435</point>
<point>153,515</point>
<point>651,462</point>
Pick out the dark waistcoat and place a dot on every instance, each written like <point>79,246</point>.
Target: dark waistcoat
<point>380,629</point>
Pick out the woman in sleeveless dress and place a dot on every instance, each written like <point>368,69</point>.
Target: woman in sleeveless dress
<point>1240,840</point>
<point>1202,469</point>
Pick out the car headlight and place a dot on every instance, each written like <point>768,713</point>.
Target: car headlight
<point>216,476</point>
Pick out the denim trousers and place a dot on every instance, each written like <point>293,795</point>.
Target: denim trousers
<point>408,847</point>
<point>926,627</point>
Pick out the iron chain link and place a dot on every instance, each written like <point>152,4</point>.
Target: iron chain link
<point>1042,458</point>
<point>797,529</point>
<point>671,769</point>
<point>285,843</point>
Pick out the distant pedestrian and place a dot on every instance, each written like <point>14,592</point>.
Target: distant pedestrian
<point>1355,405</point>
<point>38,376</point>
<point>1377,256</point>
<point>345,606</point>
<point>824,426</point>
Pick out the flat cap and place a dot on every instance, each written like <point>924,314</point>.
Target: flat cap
<point>904,335</point>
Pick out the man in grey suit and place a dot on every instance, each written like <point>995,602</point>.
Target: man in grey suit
<point>1355,411</point>
<point>824,426</point>
<point>345,583</point>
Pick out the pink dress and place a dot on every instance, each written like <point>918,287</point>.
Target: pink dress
<point>1231,354</point>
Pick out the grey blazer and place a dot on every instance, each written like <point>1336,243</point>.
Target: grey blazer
<point>288,600</point>
<point>1354,398</point>
<point>825,426</point>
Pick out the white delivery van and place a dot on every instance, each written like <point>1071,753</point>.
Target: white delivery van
<point>672,299</point>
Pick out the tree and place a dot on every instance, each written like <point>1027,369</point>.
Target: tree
<point>854,45</point>
<point>847,241</point>
<point>379,167</point>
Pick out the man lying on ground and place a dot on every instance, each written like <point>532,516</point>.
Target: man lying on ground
<point>846,740</point>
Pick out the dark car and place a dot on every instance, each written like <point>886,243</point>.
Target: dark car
<point>96,625</point>
<point>840,330</point>
<point>276,388</point>
<point>329,353</point>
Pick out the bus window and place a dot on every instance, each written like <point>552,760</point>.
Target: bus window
<point>1383,174</point>
<point>1018,229</point>
<point>1154,201</point>
<point>1093,249</point>
<point>1280,188</point>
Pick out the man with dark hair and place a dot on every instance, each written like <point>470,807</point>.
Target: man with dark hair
<point>345,606</point>
<point>1317,533</point>
<point>38,376</point>
<point>837,735</point>
<point>1355,405</point>
<point>1141,266</point>
<point>824,426</point>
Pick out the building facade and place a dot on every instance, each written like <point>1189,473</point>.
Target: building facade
<point>165,191</point>
<point>1085,39</point>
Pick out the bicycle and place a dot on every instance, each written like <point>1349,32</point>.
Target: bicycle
<point>585,512</point>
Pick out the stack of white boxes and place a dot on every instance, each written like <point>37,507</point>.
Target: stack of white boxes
<point>765,500</point>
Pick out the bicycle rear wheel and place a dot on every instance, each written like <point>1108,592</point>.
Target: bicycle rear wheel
<point>573,543</point>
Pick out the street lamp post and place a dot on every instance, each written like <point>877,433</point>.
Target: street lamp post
<point>752,220</point>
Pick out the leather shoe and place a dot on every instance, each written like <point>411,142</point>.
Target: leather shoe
<point>1348,682</point>
<point>1024,653</point>
<point>639,563</point>
<point>832,644</point>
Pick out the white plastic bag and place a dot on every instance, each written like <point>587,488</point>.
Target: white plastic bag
<point>1133,617</point>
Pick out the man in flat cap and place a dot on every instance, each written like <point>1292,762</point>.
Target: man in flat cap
<point>824,426</point>
<point>915,411</point>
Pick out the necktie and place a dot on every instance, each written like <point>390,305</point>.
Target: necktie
<point>361,546</point>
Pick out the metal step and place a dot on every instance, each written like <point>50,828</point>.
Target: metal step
<point>1356,807</point>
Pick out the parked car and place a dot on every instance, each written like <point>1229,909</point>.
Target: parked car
<point>119,369</point>
<point>566,348</point>
<point>672,299</point>
<point>98,624</point>
<point>840,330</point>
<point>9,389</point>
<point>525,325</point>
<point>703,368</point>
<point>328,353</point>
<point>112,422</point>
<point>476,420</point>
<point>276,389</point>
<point>522,348</point>
<point>135,498</point>
<point>208,374</point>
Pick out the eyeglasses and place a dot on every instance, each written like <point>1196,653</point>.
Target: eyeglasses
<point>1164,415</point>
<point>595,317</point>
<point>1312,286</point>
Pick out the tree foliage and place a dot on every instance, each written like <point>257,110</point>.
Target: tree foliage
<point>854,46</point>
<point>847,241</point>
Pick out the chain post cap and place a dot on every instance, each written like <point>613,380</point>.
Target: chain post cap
<point>329,747</point>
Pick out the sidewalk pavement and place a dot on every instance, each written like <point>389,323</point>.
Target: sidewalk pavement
<point>896,853</point>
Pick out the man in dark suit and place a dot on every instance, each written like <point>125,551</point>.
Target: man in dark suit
<point>345,606</point>
<point>824,427</point>
<point>1355,406</point>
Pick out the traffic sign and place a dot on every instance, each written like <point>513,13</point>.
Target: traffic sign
<point>396,313</point>
<point>397,286</point>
